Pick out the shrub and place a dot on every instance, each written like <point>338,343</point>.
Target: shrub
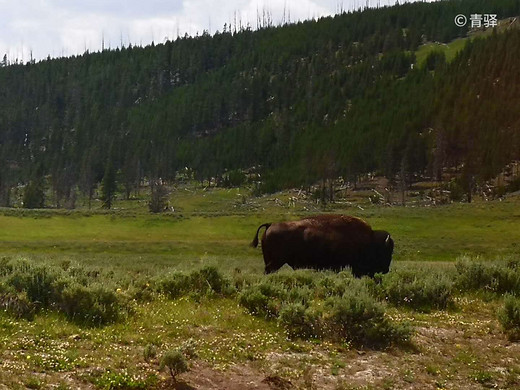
<point>509,317</point>
<point>242,281</point>
<point>298,278</point>
<point>257,302</point>
<point>301,295</point>
<point>266,297</point>
<point>514,264</point>
<point>123,380</point>
<point>420,291</point>
<point>84,276</point>
<point>16,303</point>
<point>209,279</point>
<point>188,348</point>
<point>33,383</point>
<point>272,289</point>
<point>175,362</point>
<point>175,285</point>
<point>39,282</point>
<point>359,318</point>
<point>142,291</point>
<point>42,286</point>
<point>456,190</point>
<point>350,312</point>
<point>496,278</point>
<point>300,321</point>
<point>471,275</point>
<point>93,305</point>
<point>331,286</point>
<point>149,352</point>
<point>5,266</point>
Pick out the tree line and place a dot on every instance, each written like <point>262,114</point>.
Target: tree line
<point>300,102</point>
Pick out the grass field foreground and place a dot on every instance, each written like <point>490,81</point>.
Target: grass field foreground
<point>418,326</point>
<point>94,300</point>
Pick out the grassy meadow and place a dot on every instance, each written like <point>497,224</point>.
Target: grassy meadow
<point>452,48</point>
<point>218,232</point>
<point>94,299</point>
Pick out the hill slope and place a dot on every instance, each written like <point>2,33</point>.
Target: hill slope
<point>308,101</point>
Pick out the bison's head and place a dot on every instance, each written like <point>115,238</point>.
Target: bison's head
<point>378,256</point>
<point>382,251</point>
<point>271,267</point>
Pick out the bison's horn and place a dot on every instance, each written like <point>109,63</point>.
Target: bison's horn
<point>387,239</point>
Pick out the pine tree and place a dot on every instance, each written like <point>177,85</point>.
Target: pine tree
<point>33,195</point>
<point>108,185</point>
<point>87,181</point>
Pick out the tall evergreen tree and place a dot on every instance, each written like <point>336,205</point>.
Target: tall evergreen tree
<point>33,194</point>
<point>108,185</point>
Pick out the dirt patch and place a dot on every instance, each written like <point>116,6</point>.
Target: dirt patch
<point>238,377</point>
<point>275,382</point>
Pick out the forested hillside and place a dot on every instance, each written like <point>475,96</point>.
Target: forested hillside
<point>301,103</point>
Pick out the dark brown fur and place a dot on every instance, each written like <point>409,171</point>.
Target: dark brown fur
<point>326,242</point>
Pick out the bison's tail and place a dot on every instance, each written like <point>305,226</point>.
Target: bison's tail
<point>254,243</point>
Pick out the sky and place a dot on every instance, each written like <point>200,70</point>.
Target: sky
<point>56,28</point>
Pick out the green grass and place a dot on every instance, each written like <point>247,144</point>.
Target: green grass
<point>214,227</point>
<point>450,49</point>
<point>421,234</point>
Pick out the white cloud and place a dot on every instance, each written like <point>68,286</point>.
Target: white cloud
<point>248,12</point>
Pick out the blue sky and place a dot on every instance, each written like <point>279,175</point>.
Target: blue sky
<point>68,27</point>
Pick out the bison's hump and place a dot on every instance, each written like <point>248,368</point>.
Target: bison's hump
<point>337,221</point>
<point>329,228</point>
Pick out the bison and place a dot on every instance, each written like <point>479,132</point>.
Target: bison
<point>330,242</point>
